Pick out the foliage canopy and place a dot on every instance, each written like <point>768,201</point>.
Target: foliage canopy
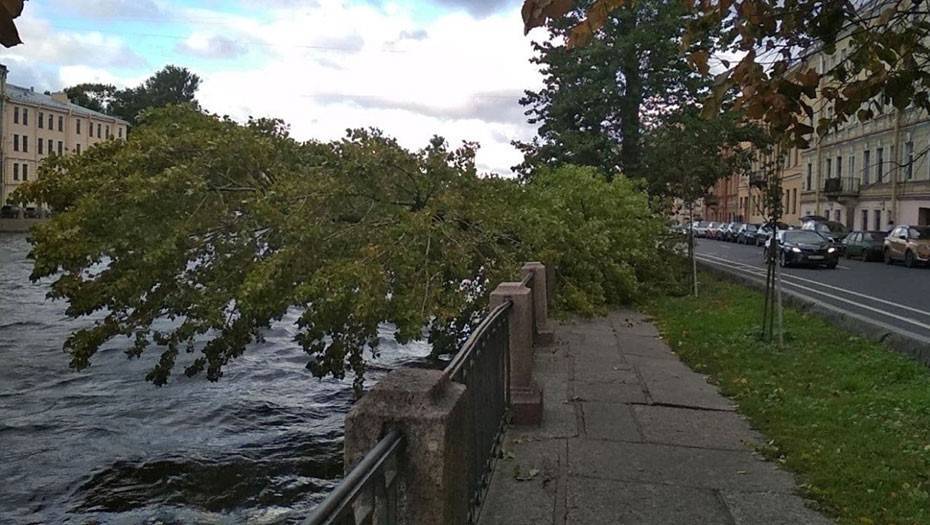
<point>196,233</point>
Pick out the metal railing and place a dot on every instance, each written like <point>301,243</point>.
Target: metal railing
<point>369,493</point>
<point>483,366</point>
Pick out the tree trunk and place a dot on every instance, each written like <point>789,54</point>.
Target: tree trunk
<point>632,100</point>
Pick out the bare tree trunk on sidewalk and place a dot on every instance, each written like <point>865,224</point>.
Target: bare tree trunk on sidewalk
<point>691,248</point>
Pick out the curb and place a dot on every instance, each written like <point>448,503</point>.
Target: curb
<point>913,346</point>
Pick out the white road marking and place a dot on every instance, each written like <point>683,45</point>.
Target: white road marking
<point>830,286</point>
<point>758,273</point>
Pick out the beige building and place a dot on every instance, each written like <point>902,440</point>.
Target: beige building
<point>34,126</point>
<point>867,175</point>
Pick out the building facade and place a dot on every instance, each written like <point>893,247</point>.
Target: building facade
<point>34,126</point>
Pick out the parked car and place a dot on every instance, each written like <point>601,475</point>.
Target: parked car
<point>747,234</point>
<point>910,244</point>
<point>806,247</point>
<point>867,246</point>
<point>732,231</point>
<point>764,233</point>
<point>832,230</point>
<point>9,212</point>
<point>712,230</point>
<point>700,228</point>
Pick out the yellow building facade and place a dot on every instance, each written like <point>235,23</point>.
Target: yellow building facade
<point>34,126</point>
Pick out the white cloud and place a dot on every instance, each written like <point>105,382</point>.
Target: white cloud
<point>212,46</point>
<point>461,78</point>
<point>65,48</point>
<point>328,65</point>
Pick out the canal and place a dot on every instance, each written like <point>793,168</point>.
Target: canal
<point>102,445</point>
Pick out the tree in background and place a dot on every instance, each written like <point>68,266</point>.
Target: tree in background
<point>879,55</point>
<point>171,85</point>
<point>688,153</point>
<point>95,96</point>
<point>598,99</point>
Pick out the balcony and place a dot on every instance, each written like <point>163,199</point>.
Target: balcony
<point>758,180</point>
<point>841,187</point>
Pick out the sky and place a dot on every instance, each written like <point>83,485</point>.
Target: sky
<point>414,68</point>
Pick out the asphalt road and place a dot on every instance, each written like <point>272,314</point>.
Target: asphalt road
<point>894,295</point>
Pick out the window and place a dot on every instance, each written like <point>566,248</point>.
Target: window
<point>104,136</point>
<point>865,219</point>
<point>51,121</point>
<point>878,220</point>
<point>909,155</point>
<point>16,116</point>
<point>839,167</point>
<point>15,171</point>
<point>836,215</point>
<point>120,131</point>
<point>77,148</point>
<point>794,200</point>
<point>852,166</point>
<point>41,120</point>
<point>108,130</point>
<point>61,123</point>
<point>866,166</point>
<point>25,172</point>
<point>880,168</point>
<point>90,130</point>
<point>77,125</point>
<point>25,144</point>
<point>829,168</point>
<point>810,174</point>
<point>15,142</point>
<point>25,120</point>
<point>39,143</point>
<point>60,147</point>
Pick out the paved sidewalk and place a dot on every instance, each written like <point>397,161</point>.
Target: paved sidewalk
<point>632,435</point>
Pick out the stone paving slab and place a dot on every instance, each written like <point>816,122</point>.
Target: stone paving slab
<point>632,435</point>
<point>596,502</point>
<point>687,466</point>
<point>610,421</point>
<point>764,508</point>
<point>694,428</point>
<point>672,383</point>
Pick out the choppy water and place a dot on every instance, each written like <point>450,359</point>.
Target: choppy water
<point>263,445</point>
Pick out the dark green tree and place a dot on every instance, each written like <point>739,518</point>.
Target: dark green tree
<point>171,85</point>
<point>687,153</point>
<point>95,96</point>
<point>597,99</point>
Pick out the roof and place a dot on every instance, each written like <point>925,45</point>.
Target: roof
<point>28,96</point>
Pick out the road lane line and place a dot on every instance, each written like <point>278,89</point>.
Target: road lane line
<point>836,298</point>
<point>830,286</point>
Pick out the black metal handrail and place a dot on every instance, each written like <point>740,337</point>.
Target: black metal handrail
<point>483,366</point>
<point>368,494</point>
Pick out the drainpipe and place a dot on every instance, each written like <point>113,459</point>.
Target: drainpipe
<point>817,182</point>
<point>3,73</point>
<point>896,167</point>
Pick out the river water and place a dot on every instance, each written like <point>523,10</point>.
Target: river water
<point>263,445</point>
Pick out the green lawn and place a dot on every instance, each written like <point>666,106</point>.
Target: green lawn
<point>849,417</point>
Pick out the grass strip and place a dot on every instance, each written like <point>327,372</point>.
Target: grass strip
<point>850,418</point>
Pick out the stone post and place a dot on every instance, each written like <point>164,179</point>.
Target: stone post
<point>542,335</point>
<point>433,415</point>
<point>525,395</point>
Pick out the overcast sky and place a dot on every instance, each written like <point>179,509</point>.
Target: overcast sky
<point>413,68</point>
